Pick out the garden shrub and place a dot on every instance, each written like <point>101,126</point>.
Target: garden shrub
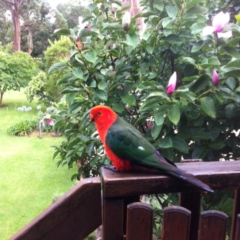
<point>22,127</point>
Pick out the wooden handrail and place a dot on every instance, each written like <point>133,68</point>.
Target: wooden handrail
<point>73,216</point>
<point>78,212</point>
<point>218,175</point>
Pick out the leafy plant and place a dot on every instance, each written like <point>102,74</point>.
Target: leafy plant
<point>22,128</point>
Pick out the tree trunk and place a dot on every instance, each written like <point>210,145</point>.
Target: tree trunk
<point>14,7</point>
<point>30,39</point>
<point>17,30</point>
<point>1,98</point>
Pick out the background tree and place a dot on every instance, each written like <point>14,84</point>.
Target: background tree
<point>14,8</point>
<point>43,86</point>
<point>71,12</point>
<point>6,29</point>
<point>16,70</point>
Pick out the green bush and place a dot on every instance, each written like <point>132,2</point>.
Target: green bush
<point>22,128</point>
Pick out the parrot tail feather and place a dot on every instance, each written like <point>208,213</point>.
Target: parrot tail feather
<point>191,179</point>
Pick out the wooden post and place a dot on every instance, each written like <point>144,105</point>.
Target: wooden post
<point>113,218</point>
<point>191,201</point>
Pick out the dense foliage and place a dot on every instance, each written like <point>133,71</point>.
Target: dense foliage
<point>130,74</point>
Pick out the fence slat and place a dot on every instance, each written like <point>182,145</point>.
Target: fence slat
<point>191,201</point>
<point>236,211</point>
<point>176,223</point>
<point>213,225</point>
<point>237,230</point>
<point>139,221</point>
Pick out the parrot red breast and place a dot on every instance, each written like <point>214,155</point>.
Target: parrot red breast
<point>127,148</point>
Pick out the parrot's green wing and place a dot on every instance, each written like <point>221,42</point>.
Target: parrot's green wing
<point>128,143</point>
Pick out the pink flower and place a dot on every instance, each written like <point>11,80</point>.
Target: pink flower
<point>172,83</point>
<point>89,27</point>
<point>112,10</point>
<point>47,121</point>
<point>218,23</point>
<point>215,78</point>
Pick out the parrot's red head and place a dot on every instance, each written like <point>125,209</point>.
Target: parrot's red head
<point>103,117</point>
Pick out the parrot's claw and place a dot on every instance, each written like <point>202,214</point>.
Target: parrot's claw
<point>112,168</point>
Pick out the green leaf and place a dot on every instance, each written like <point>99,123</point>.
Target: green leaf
<point>230,110</point>
<point>208,107</point>
<point>57,66</point>
<point>197,46</point>
<point>101,95</point>
<point>200,84</point>
<point>190,79</point>
<point>129,99</point>
<point>173,39</point>
<point>65,78</point>
<point>180,144</point>
<point>63,31</point>
<point>166,143</point>
<point>77,72</point>
<point>158,5</point>
<point>155,131</point>
<point>233,64</point>
<point>158,118</point>
<point>166,21</point>
<point>112,27</point>
<point>232,51</point>
<point>174,114</point>
<point>91,57</point>
<point>196,10</point>
<point>132,40</point>
<point>199,152</point>
<point>162,95</point>
<point>192,3</point>
<point>118,107</point>
<point>188,60</point>
<point>102,85</point>
<point>231,83</point>
<point>172,11</point>
<point>85,33</point>
<point>70,89</point>
<point>216,145</point>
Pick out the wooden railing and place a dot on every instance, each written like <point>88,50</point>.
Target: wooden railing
<point>83,209</point>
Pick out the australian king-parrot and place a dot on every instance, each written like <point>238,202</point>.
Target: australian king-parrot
<point>128,149</point>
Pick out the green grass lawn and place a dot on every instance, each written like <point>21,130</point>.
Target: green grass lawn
<point>29,177</point>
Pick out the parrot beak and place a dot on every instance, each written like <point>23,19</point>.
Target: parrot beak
<point>91,118</point>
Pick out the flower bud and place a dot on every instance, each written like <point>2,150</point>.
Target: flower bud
<point>172,83</point>
<point>215,78</point>
<point>126,19</point>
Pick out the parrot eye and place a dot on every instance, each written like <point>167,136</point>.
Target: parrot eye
<point>99,113</point>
